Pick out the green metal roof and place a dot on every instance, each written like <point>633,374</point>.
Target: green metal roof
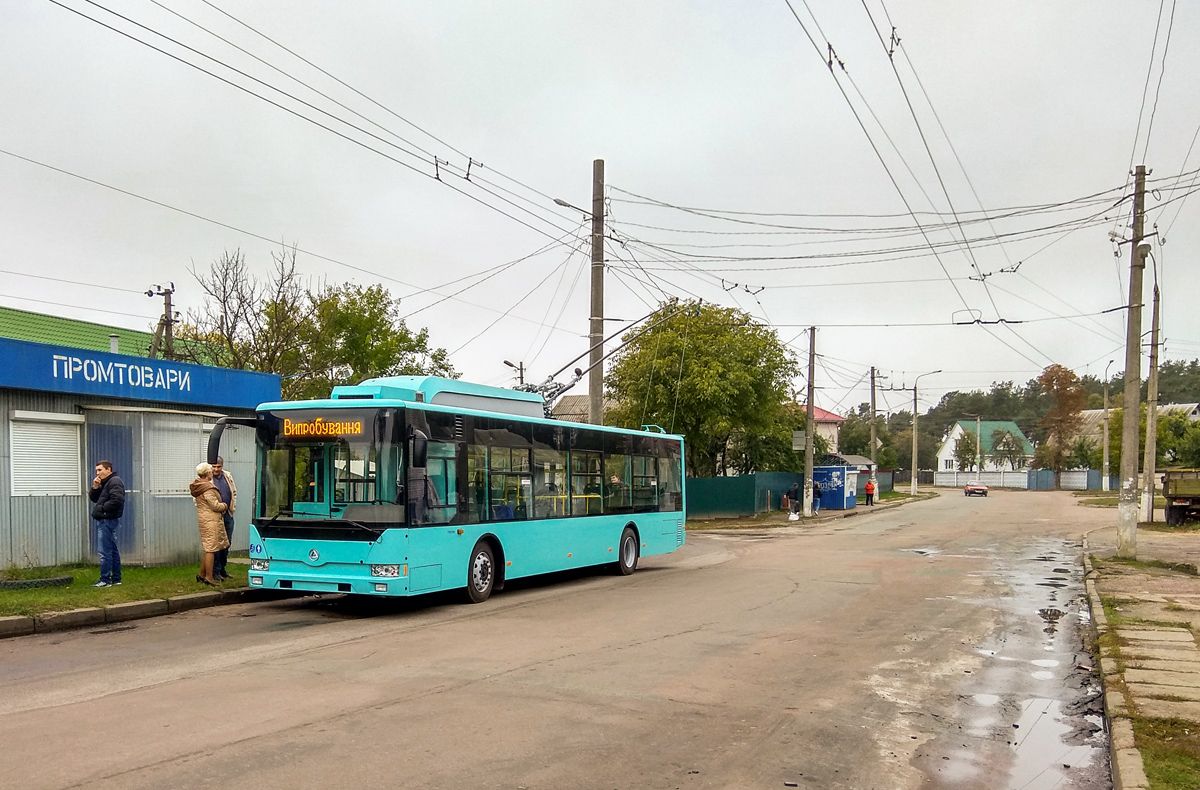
<point>39,328</point>
<point>988,427</point>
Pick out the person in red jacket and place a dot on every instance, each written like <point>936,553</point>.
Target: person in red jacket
<point>870,489</point>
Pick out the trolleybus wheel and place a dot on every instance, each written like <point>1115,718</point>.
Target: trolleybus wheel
<point>628,552</point>
<point>481,573</point>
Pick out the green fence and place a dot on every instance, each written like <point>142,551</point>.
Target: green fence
<point>732,497</point>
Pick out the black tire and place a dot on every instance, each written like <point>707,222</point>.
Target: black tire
<point>481,573</point>
<point>1173,516</point>
<point>628,552</point>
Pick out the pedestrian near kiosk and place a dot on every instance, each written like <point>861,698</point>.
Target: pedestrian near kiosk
<point>227,490</point>
<point>793,498</point>
<point>870,489</point>
<point>816,497</point>
<point>108,497</point>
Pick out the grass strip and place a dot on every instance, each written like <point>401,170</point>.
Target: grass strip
<point>138,584</point>
<point>1170,752</point>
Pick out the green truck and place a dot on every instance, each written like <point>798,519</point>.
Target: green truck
<point>1181,488</point>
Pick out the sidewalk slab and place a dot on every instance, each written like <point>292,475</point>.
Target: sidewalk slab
<point>1166,709</point>
<point>1146,690</point>
<point>1145,651</point>
<point>182,603</point>
<point>1181,635</point>
<point>73,618</point>
<point>134,610</point>
<point>1186,667</point>
<point>1162,678</point>
<point>16,625</point>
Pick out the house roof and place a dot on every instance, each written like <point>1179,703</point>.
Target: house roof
<point>853,460</point>
<point>822,415</point>
<point>70,332</point>
<point>574,408</point>
<point>1092,424</point>
<point>989,427</point>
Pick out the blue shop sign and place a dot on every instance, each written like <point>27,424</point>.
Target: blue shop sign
<point>38,366</point>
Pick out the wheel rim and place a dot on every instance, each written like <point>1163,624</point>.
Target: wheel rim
<point>481,572</point>
<point>628,552</point>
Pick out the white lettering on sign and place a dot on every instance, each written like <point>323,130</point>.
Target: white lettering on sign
<point>122,373</point>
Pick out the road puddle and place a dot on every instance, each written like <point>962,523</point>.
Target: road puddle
<point>1031,717</point>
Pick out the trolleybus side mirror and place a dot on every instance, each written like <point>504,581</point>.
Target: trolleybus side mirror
<point>420,449</point>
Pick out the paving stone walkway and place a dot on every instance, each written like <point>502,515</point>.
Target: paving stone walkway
<point>1152,667</point>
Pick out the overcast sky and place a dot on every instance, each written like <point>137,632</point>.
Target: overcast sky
<point>721,107</point>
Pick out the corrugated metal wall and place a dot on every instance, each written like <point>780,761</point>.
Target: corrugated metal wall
<point>38,530</point>
<point>154,452</point>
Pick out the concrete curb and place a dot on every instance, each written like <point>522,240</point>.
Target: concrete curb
<point>130,610</point>
<point>1128,769</point>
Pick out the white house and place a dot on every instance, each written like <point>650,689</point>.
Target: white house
<point>947,462</point>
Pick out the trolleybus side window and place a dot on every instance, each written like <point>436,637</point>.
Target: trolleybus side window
<point>550,497</point>
<point>645,483</point>
<point>586,488</point>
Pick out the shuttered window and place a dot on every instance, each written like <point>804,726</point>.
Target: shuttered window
<point>175,445</point>
<point>45,459</point>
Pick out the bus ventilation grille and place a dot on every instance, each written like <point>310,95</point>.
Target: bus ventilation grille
<point>679,536</point>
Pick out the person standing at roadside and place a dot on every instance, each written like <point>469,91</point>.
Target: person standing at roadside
<point>227,490</point>
<point>870,489</point>
<point>209,508</point>
<point>108,497</point>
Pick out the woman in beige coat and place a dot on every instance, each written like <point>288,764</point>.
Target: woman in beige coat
<point>209,508</point>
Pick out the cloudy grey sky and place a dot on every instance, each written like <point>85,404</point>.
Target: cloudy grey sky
<point>1032,113</point>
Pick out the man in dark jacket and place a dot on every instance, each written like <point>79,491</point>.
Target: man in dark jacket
<point>108,494</point>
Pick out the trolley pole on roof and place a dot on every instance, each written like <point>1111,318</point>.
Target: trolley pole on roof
<point>596,335</point>
<point>1127,495</point>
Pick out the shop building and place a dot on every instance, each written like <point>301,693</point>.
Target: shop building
<point>64,408</point>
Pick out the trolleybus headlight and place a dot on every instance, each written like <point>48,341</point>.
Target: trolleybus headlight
<point>260,565</point>
<point>257,580</point>
<point>388,571</point>
<point>381,587</point>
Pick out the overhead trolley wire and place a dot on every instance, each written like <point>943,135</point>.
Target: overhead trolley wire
<point>417,290</point>
<point>300,115</point>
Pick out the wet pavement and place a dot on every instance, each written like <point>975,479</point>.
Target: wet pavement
<point>1034,704</point>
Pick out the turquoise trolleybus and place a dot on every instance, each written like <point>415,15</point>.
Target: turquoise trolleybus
<point>411,485</point>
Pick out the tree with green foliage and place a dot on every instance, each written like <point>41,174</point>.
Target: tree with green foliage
<point>1008,450</point>
<point>313,336</point>
<point>357,333</point>
<point>714,375</point>
<point>1062,420</point>
<point>964,451</point>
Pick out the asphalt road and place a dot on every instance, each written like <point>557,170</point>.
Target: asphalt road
<point>890,650</point>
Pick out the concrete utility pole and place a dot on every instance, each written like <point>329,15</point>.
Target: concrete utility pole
<point>596,336</point>
<point>1105,483</point>
<point>164,333</point>
<point>913,487</point>
<point>1149,463</point>
<point>810,424</point>
<point>874,450</point>
<point>1127,495</point>
<point>978,445</point>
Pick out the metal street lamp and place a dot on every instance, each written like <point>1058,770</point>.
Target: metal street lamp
<point>913,489</point>
<point>520,368</point>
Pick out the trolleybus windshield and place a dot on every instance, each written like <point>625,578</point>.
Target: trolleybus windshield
<point>340,467</point>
